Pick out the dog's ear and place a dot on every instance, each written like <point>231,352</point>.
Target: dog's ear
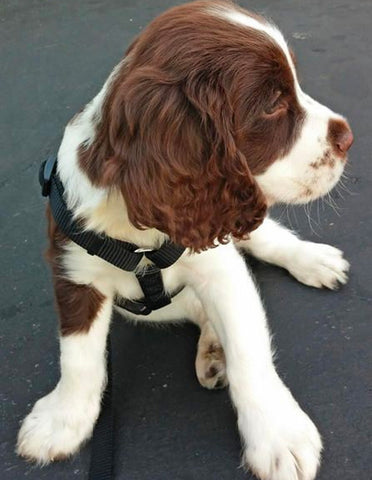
<point>176,160</point>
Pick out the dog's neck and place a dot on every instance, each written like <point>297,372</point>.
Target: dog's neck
<point>111,217</point>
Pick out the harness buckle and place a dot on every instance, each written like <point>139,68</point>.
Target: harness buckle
<point>137,307</point>
<point>46,172</point>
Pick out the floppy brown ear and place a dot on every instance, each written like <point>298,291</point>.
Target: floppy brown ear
<point>176,161</point>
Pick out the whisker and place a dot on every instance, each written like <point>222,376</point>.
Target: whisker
<point>339,192</point>
<point>307,208</point>
<point>295,215</point>
<point>288,217</point>
<point>317,209</point>
<point>282,212</point>
<point>342,185</point>
<point>323,202</point>
<point>293,208</point>
<point>331,202</point>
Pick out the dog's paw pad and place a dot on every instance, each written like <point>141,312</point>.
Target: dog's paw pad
<point>211,366</point>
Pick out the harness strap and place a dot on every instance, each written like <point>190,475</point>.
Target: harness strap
<point>118,253</point>
<point>123,255</point>
<point>153,288</point>
<point>155,297</point>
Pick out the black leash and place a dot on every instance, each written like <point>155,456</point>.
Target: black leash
<point>102,449</point>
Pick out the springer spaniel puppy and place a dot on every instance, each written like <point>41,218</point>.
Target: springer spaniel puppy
<point>199,129</point>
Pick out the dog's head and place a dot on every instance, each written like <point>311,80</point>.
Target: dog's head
<point>204,125</point>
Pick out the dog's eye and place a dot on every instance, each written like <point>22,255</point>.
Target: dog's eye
<point>277,106</point>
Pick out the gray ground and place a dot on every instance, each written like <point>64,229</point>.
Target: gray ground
<point>54,56</point>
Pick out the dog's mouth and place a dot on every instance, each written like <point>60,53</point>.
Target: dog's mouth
<point>323,181</point>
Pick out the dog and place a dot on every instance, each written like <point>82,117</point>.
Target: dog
<point>197,132</point>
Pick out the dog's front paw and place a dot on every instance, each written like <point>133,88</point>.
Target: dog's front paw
<point>318,265</point>
<point>56,428</point>
<point>281,442</point>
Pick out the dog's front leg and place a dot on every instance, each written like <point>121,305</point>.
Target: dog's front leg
<point>314,264</point>
<point>280,441</point>
<point>63,419</point>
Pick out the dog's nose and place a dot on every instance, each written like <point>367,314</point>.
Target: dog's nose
<point>340,135</point>
<point>345,140</point>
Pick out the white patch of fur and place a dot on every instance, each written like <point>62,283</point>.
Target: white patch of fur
<point>80,195</point>
<point>268,28</point>
<point>111,217</point>
<point>292,179</point>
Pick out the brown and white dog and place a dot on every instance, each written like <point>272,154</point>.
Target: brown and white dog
<point>200,128</point>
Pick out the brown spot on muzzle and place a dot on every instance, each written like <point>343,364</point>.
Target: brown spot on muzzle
<point>326,160</point>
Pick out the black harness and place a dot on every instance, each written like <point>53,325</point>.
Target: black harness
<point>123,255</point>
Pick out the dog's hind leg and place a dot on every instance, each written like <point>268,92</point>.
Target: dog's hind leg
<point>210,364</point>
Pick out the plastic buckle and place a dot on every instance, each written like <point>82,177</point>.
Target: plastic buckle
<point>137,307</point>
<point>46,177</point>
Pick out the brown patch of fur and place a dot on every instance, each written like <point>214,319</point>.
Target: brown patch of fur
<point>184,128</point>
<point>214,350</point>
<point>326,160</point>
<point>314,165</point>
<point>77,305</point>
<point>60,457</point>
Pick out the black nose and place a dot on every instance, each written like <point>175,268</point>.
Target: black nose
<point>340,135</point>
